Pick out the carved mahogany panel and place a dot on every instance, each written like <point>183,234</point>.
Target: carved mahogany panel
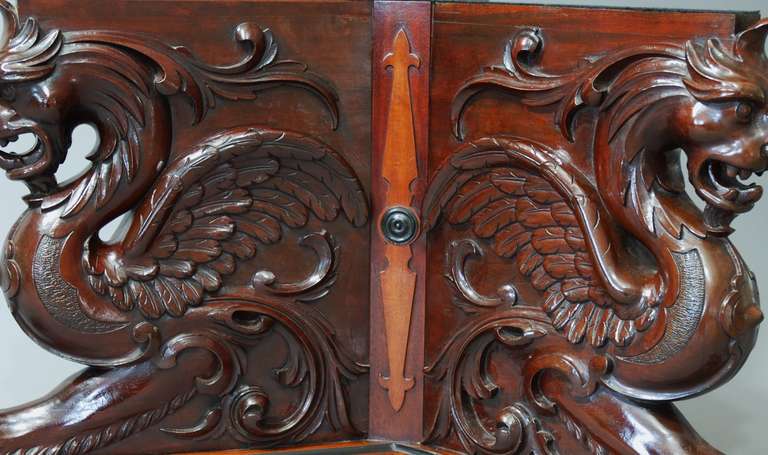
<point>579,281</point>
<point>232,311</point>
<point>444,227</point>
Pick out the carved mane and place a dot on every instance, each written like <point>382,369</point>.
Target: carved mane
<point>197,215</point>
<point>618,251</point>
<point>125,75</point>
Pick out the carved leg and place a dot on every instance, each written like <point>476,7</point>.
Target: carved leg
<point>506,385</point>
<point>211,357</point>
<point>98,408</point>
<point>626,426</point>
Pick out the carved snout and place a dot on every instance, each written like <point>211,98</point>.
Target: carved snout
<point>34,165</point>
<point>9,23</point>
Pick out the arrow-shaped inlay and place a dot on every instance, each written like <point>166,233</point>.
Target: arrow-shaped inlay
<point>400,170</point>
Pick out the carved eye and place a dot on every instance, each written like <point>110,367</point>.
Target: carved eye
<point>8,93</point>
<point>744,112</point>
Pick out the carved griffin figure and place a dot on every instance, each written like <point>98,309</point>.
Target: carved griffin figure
<point>636,278</point>
<point>195,215</point>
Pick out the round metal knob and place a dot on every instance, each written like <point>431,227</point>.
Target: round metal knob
<point>399,225</point>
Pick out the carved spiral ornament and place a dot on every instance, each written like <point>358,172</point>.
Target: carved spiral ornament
<point>164,308</point>
<point>549,287</point>
<point>633,280</point>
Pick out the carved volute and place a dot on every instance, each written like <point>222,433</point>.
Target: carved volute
<point>461,228</point>
<point>630,273</point>
<point>172,283</point>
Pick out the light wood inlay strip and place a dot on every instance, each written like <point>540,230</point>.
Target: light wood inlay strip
<point>401,63</point>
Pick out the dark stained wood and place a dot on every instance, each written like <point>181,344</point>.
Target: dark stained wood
<point>357,447</point>
<point>557,207</point>
<point>247,257</point>
<point>401,59</point>
<point>559,293</point>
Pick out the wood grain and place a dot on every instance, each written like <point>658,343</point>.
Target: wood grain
<point>401,50</point>
<point>359,447</point>
<point>560,294</point>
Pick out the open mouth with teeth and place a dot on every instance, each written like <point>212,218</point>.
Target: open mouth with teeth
<point>727,191</point>
<point>30,143</point>
<point>24,152</point>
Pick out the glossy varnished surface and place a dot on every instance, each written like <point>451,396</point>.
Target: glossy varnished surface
<point>291,111</point>
<point>401,117</point>
<point>561,290</point>
<point>370,447</point>
<point>512,121</point>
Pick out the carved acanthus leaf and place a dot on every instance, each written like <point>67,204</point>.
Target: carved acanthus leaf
<point>133,71</point>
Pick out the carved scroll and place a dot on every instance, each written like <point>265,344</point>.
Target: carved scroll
<point>172,313</point>
<point>632,279</point>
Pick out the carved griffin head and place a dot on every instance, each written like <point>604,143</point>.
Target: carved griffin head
<point>707,99</point>
<point>724,130</point>
<point>32,101</point>
<point>123,85</point>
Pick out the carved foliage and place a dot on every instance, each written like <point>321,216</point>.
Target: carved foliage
<point>316,366</point>
<point>194,219</point>
<point>476,408</point>
<point>606,245</point>
<point>616,249</point>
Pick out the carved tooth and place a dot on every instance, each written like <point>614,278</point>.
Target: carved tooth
<point>745,174</point>
<point>731,195</point>
<point>731,171</point>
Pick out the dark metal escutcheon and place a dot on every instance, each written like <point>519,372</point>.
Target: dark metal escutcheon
<point>399,225</point>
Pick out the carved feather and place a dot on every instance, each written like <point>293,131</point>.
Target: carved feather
<point>212,208</point>
<point>496,185</point>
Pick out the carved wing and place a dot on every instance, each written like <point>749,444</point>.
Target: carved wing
<point>533,207</point>
<point>130,68</point>
<point>213,208</point>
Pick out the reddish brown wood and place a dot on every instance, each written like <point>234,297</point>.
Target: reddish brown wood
<point>556,139</point>
<point>397,282</point>
<point>358,447</point>
<point>248,264</point>
<point>562,292</point>
<point>400,104</point>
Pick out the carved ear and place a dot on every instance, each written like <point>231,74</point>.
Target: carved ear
<point>750,44</point>
<point>9,23</point>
